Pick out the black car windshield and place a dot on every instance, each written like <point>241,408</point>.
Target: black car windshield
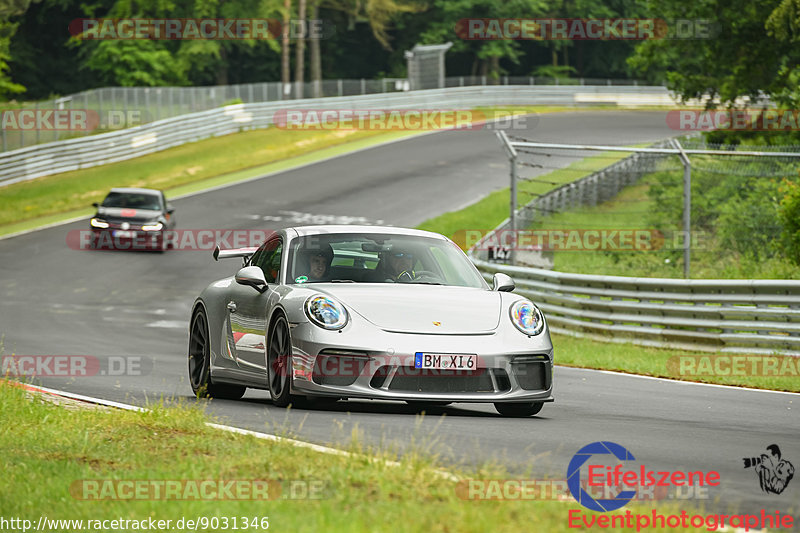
<point>380,258</point>
<point>133,200</point>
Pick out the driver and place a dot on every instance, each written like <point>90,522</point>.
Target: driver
<point>319,262</point>
<point>401,266</point>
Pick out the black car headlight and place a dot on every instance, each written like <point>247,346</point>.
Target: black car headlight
<point>527,317</point>
<point>326,312</point>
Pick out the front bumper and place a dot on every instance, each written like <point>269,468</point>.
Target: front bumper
<point>510,366</point>
<point>132,239</point>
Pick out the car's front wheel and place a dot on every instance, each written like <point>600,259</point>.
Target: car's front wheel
<point>279,362</point>
<point>518,409</point>
<point>200,363</point>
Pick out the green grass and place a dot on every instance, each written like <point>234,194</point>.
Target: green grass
<point>48,451</point>
<point>634,209</point>
<point>167,170</point>
<point>665,363</point>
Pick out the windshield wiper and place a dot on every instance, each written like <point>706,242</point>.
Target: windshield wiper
<point>342,281</point>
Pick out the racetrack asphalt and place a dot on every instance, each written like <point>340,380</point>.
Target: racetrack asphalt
<point>56,300</point>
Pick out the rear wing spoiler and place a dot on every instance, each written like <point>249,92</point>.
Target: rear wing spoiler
<point>244,253</point>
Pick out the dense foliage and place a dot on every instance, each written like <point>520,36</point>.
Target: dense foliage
<point>369,40</point>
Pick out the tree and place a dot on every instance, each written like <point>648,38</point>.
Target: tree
<point>743,55</point>
<point>9,9</point>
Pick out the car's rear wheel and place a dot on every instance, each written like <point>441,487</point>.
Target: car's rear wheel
<point>519,409</point>
<point>200,363</point>
<point>279,362</point>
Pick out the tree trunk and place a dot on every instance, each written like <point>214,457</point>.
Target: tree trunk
<point>222,69</point>
<point>300,49</point>
<point>495,70</point>
<point>316,58</point>
<point>286,75</point>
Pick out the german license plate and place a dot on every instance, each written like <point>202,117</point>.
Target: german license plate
<point>445,361</point>
<point>124,234</point>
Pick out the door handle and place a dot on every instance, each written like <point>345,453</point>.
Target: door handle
<point>231,307</point>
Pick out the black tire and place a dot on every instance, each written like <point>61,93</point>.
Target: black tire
<point>279,363</point>
<point>519,409</point>
<point>200,363</point>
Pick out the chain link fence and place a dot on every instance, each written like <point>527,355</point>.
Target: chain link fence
<point>114,108</point>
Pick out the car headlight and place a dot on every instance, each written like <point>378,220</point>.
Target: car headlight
<point>527,317</point>
<point>153,227</point>
<point>326,312</point>
<point>97,223</point>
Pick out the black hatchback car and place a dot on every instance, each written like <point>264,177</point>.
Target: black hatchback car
<point>132,219</point>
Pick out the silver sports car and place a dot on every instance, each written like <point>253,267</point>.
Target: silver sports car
<point>368,312</point>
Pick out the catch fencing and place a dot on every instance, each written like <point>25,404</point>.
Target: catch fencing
<point>123,107</point>
<point>84,152</point>
<point>716,315</point>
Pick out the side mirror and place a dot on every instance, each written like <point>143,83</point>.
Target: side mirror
<point>95,204</point>
<point>252,276</point>
<point>170,209</point>
<point>502,283</point>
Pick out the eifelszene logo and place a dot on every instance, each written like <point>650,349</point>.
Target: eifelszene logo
<point>621,481</point>
<point>774,473</point>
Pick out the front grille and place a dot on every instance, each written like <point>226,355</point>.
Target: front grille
<point>410,379</point>
<point>532,372</point>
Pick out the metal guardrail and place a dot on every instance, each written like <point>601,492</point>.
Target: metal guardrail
<point>735,316</point>
<point>84,152</point>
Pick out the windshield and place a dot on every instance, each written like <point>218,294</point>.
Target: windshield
<point>380,258</point>
<point>132,201</point>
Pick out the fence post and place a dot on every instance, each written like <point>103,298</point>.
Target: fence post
<point>512,216</point>
<point>687,209</point>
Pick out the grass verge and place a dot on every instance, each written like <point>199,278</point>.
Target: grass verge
<point>53,454</point>
<point>701,367</point>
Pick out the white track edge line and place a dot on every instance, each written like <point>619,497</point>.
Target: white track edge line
<point>263,436</point>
